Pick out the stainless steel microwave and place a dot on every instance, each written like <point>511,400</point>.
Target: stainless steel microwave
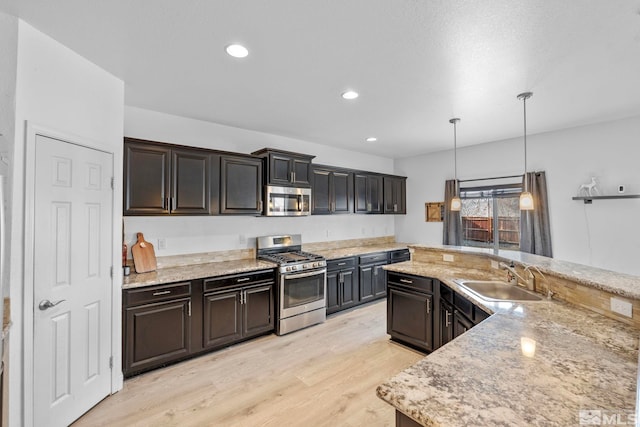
<point>287,201</point>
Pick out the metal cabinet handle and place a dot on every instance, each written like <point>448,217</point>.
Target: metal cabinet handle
<point>406,281</point>
<point>342,263</point>
<point>260,205</point>
<point>447,316</point>
<point>189,308</point>
<point>428,306</point>
<point>46,304</point>
<point>244,279</point>
<point>155,294</point>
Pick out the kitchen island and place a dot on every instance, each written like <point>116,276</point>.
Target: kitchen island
<point>537,363</point>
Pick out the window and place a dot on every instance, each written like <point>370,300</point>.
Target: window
<point>491,216</point>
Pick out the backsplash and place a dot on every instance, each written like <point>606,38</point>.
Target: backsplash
<point>348,243</point>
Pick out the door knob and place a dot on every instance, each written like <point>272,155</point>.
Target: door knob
<point>45,304</point>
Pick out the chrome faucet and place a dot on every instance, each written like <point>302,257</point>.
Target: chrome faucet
<point>512,274</point>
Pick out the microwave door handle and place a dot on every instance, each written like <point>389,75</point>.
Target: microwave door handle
<point>299,202</point>
<point>303,275</point>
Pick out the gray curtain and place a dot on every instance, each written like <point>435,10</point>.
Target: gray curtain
<point>535,232</point>
<point>452,230</point>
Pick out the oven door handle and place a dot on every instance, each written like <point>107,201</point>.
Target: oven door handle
<point>303,275</point>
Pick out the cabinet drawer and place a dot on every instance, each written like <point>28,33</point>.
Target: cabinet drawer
<point>145,295</point>
<point>338,264</point>
<point>463,305</point>
<point>239,280</point>
<point>399,256</point>
<point>424,284</point>
<point>371,258</point>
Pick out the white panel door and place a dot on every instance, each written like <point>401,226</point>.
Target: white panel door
<point>72,280</point>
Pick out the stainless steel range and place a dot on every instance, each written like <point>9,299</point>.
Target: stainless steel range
<point>302,282</point>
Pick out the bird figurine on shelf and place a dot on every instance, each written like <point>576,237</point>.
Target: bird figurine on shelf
<point>590,189</point>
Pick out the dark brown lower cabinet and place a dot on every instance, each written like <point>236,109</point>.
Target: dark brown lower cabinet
<point>157,332</point>
<point>167,323</point>
<point>410,310</point>
<point>403,421</point>
<point>231,315</point>
<point>342,284</point>
<point>373,283</point>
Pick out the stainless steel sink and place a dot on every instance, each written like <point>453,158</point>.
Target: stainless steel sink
<point>495,290</point>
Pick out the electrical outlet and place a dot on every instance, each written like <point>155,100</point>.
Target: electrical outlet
<point>495,265</point>
<point>447,257</point>
<point>162,243</point>
<point>242,239</point>
<point>621,306</point>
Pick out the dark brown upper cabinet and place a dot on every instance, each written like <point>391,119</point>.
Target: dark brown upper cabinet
<point>161,179</point>
<point>240,185</point>
<point>286,168</point>
<point>395,188</point>
<point>368,193</point>
<point>332,191</point>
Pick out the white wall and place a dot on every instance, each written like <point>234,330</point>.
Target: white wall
<point>59,90</point>
<point>604,234</point>
<point>194,234</point>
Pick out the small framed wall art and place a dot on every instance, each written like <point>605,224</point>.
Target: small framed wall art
<point>434,212</point>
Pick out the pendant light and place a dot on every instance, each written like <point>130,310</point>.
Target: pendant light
<point>526,198</point>
<point>456,203</point>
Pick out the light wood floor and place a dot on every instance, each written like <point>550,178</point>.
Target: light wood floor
<point>325,375</point>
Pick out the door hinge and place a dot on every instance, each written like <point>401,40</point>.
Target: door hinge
<point>111,271</point>
<point>112,182</point>
<point>110,362</point>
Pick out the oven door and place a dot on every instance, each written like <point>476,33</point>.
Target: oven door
<point>302,292</point>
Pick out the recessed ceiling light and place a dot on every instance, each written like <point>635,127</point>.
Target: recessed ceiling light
<point>371,139</point>
<point>350,94</point>
<point>237,50</point>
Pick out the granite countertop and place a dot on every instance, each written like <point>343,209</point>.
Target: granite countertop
<point>625,285</point>
<point>196,271</point>
<point>358,250</point>
<point>582,361</point>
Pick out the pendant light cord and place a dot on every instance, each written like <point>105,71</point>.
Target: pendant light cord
<point>526,184</point>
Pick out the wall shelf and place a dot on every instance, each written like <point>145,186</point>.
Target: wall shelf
<point>589,199</point>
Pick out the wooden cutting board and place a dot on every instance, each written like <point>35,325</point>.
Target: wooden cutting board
<point>144,257</point>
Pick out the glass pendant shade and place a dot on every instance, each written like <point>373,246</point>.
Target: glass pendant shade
<point>456,204</point>
<point>526,201</point>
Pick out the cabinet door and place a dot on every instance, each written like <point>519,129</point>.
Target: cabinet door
<point>360,196</point>
<point>342,197</point>
<point>280,170</point>
<point>320,193</point>
<point>460,324</point>
<point>257,310</point>
<point>301,172</point>
<point>394,195</point>
<point>156,334</point>
<point>446,322</point>
<point>190,182</point>
<point>374,194</point>
<point>240,185</point>
<point>349,289</point>
<point>146,179</point>
<point>368,193</point>
<point>222,318</point>
<point>333,291</point>
<point>410,318</point>
<point>379,281</point>
<point>366,283</point>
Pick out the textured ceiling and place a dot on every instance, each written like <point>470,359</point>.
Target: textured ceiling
<point>416,64</point>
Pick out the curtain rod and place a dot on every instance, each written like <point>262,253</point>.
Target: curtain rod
<point>487,179</point>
